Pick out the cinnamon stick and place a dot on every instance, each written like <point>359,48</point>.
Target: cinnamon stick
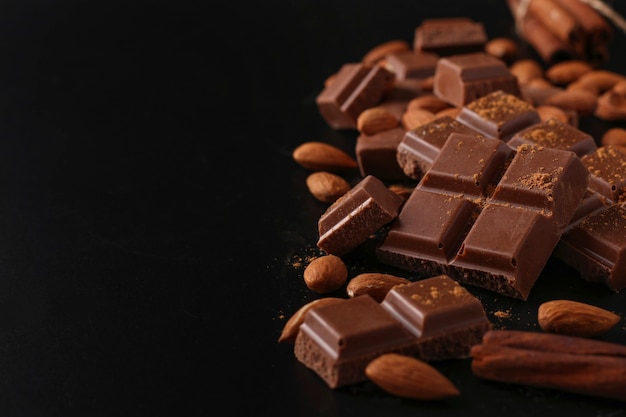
<point>558,21</point>
<point>545,360</point>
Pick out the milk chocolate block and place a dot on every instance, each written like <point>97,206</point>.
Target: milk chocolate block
<point>410,64</point>
<point>460,79</point>
<point>553,133</point>
<point>446,318</point>
<point>596,247</point>
<point>607,166</point>
<point>356,215</point>
<point>498,115</point>
<point>337,341</point>
<point>420,146</point>
<point>448,36</point>
<point>484,163</point>
<point>376,154</point>
<point>356,87</point>
<point>397,98</point>
<point>499,241</point>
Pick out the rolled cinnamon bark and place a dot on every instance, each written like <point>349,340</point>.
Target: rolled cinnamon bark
<point>558,21</point>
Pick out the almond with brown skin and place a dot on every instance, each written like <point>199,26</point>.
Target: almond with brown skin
<point>428,102</point>
<point>375,120</point>
<point>325,274</point>
<point>290,330</point>
<point>416,117</point>
<point>326,186</point>
<point>503,48</point>
<point>380,51</point>
<point>526,69</point>
<point>321,156</point>
<point>582,101</point>
<point>408,377</point>
<point>374,284</point>
<point>574,318</point>
<point>566,72</point>
<point>615,136</point>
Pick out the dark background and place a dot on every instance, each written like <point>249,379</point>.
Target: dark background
<point>152,219</point>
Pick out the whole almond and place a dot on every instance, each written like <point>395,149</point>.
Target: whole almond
<point>375,284</point>
<point>428,102</point>
<point>582,101</point>
<point>546,112</point>
<point>375,120</point>
<point>526,69</point>
<point>566,72</point>
<point>503,48</point>
<point>615,136</point>
<point>326,186</point>
<point>408,377</point>
<point>599,80</point>
<point>290,330</point>
<point>321,156</point>
<point>574,318</point>
<point>412,119</point>
<point>380,51</point>
<point>611,106</point>
<point>325,274</point>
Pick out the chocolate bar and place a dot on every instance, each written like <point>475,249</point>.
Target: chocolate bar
<point>449,36</point>
<point>420,146</point>
<point>376,154</point>
<point>482,228</point>
<point>356,215</point>
<point>498,115</point>
<point>555,134</point>
<point>607,166</point>
<point>355,87</point>
<point>411,64</point>
<point>432,319</point>
<point>460,79</point>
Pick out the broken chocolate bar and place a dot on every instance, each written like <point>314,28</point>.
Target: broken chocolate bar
<point>555,134</point>
<point>410,64</point>
<point>355,87</point>
<point>487,230</point>
<point>498,115</point>
<point>356,215</point>
<point>376,154</point>
<point>460,79</point>
<point>449,36</point>
<point>607,166</point>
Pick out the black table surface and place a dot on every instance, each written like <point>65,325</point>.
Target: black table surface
<point>153,223</point>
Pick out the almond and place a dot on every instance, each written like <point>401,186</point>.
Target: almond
<point>574,318</point>
<point>582,101</point>
<point>375,120</point>
<point>325,274</point>
<point>321,156</point>
<point>408,377</point>
<point>375,284</point>
<point>503,48</point>
<point>290,330</point>
<point>615,136</point>
<point>552,112</point>
<point>428,102</point>
<point>611,106</point>
<point>380,51</point>
<point>526,69</point>
<point>326,186</point>
<point>599,80</point>
<point>566,72</point>
<point>412,119</point>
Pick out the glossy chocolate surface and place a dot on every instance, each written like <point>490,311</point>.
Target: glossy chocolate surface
<point>607,167</point>
<point>376,154</point>
<point>411,64</point>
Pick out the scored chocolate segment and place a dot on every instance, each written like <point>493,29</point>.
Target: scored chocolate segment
<point>460,79</point>
<point>410,64</point>
<point>607,166</point>
<point>554,133</point>
<point>447,36</point>
<point>445,317</point>
<point>501,241</point>
<point>356,215</point>
<point>376,154</point>
<point>498,115</point>
<point>420,146</point>
<point>355,87</point>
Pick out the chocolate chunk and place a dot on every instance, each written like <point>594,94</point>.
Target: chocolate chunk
<point>410,64</point>
<point>448,36</point>
<point>356,215</point>
<point>445,317</point>
<point>498,241</point>
<point>355,87</point>
<point>337,341</point>
<point>460,79</point>
<point>554,133</point>
<point>420,146</point>
<point>498,115</point>
<point>376,154</point>
<point>607,166</point>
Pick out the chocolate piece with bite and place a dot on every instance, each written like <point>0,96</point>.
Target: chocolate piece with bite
<point>460,79</point>
<point>376,154</point>
<point>498,115</point>
<point>356,215</point>
<point>355,87</point>
<point>448,36</point>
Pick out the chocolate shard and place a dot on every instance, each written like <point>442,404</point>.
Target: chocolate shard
<point>411,64</point>
<point>607,166</point>
<point>355,87</point>
<point>356,215</point>
<point>376,154</point>
<point>460,79</point>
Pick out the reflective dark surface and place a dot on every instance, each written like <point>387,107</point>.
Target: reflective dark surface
<point>154,227</point>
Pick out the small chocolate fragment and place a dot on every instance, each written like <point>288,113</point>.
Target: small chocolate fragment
<point>337,341</point>
<point>460,79</point>
<point>401,93</point>
<point>420,146</point>
<point>449,36</point>
<point>376,154</point>
<point>355,87</point>
<point>445,317</point>
<point>553,133</point>
<point>356,215</point>
<point>607,166</point>
<point>410,64</point>
<point>498,115</point>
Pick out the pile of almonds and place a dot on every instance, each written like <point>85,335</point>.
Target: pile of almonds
<point>568,91</point>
